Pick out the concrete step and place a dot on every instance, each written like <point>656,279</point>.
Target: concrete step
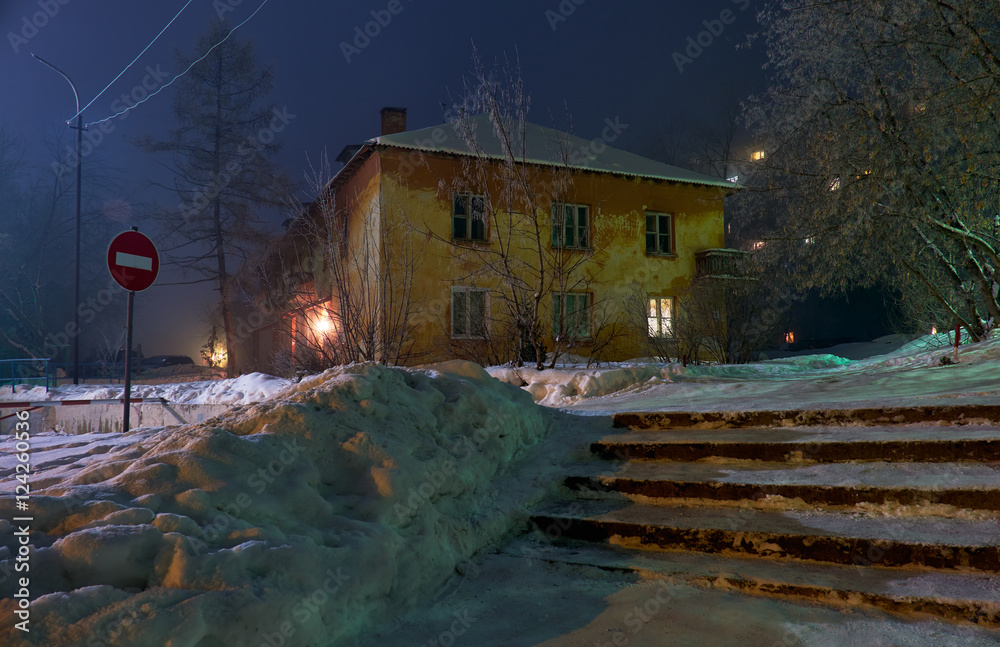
<point>955,597</point>
<point>822,444</point>
<point>832,537</point>
<point>952,414</point>
<point>970,486</point>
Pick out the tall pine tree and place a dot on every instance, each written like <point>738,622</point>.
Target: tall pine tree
<point>222,160</point>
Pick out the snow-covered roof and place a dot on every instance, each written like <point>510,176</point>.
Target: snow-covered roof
<point>548,147</point>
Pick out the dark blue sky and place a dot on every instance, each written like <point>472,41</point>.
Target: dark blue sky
<point>603,60</point>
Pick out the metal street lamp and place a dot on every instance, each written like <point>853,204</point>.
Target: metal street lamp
<point>79,183</point>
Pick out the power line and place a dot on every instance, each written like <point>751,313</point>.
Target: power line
<point>171,81</point>
<point>146,49</point>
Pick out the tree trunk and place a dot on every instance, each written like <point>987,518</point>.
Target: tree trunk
<point>220,247</point>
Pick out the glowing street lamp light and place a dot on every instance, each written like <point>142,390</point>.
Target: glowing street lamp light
<point>323,326</point>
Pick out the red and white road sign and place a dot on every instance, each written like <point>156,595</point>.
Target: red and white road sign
<point>133,261</point>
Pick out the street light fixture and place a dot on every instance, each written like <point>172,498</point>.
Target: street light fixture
<point>79,183</point>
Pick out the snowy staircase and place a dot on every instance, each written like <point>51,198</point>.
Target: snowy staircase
<point>843,507</point>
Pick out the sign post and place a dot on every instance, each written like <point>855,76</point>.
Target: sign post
<point>134,264</point>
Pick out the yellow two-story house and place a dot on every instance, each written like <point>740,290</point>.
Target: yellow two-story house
<point>489,240</point>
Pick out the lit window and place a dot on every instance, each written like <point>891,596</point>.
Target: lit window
<point>789,338</point>
<point>835,185</point>
<point>734,179</point>
<point>571,315</point>
<point>757,156</point>
<point>469,311</point>
<point>661,316</point>
<point>757,244</point>
<point>659,233</point>
<point>810,240</point>
<point>570,225</point>
<point>468,217</point>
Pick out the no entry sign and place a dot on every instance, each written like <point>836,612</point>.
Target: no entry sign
<point>133,261</point>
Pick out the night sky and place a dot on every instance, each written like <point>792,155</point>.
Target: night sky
<point>583,60</point>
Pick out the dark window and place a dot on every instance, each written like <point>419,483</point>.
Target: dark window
<point>468,217</point>
<point>659,233</point>
<point>469,309</point>
<point>570,225</point>
<point>571,315</point>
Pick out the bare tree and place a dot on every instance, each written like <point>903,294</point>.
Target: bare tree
<point>883,164</point>
<point>362,261</point>
<point>222,150</point>
<point>538,249</point>
<point>36,253</point>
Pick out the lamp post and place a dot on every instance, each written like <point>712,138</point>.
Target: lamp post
<point>79,184</point>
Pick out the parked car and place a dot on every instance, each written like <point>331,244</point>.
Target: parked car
<point>115,362</point>
<point>159,361</point>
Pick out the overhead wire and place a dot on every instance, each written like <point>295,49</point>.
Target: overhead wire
<point>127,67</point>
<point>189,67</point>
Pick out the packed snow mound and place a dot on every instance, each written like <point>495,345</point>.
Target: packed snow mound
<point>246,389</point>
<point>651,386</point>
<point>556,387</point>
<point>300,521</point>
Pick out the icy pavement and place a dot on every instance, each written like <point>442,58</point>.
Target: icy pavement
<point>511,601</point>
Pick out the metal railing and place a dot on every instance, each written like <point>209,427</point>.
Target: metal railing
<point>45,372</point>
<point>720,263</point>
<point>26,371</point>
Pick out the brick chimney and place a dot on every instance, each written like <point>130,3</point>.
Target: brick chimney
<point>393,121</point>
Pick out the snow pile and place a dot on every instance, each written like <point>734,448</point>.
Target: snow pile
<point>246,389</point>
<point>556,387</point>
<point>300,521</point>
<point>913,372</point>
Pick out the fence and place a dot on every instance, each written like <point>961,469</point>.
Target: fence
<point>26,371</point>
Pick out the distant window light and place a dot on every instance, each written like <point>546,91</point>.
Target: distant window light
<point>660,320</point>
<point>835,185</point>
<point>757,156</point>
<point>933,330</point>
<point>810,240</point>
<point>789,338</point>
<point>734,179</point>
<point>757,244</point>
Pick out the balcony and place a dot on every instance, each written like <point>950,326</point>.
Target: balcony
<point>720,264</point>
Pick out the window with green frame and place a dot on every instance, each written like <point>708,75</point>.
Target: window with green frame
<point>468,217</point>
<point>571,315</point>
<point>469,311</point>
<point>659,233</point>
<point>570,225</point>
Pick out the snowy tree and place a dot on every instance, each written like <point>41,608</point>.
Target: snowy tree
<point>882,166</point>
<point>222,152</point>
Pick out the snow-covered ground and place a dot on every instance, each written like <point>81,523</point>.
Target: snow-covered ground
<point>910,375</point>
<point>350,498</point>
<point>338,502</point>
<point>246,389</point>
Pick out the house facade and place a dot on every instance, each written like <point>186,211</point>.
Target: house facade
<point>449,241</point>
